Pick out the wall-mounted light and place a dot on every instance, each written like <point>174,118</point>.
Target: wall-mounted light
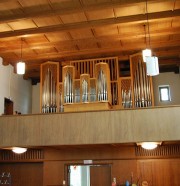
<point>19,150</point>
<point>149,145</point>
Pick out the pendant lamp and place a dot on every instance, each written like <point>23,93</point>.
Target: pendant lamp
<point>152,66</point>
<point>20,68</point>
<point>21,65</point>
<point>146,52</point>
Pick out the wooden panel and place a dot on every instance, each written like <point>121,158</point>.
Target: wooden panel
<point>124,170</point>
<point>31,154</point>
<point>30,5</point>
<point>124,165</point>
<point>53,20</point>
<point>4,28</point>
<point>161,151</point>
<point>24,174</point>
<point>160,172</point>
<point>100,175</point>
<point>22,24</point>
<point>130,10</point>
<point>101,14</point>
<point>53,173</point>
<point>73,18</point>
<point>81,34</point>
<point>58,36</point>
<point>120,126</point>
<point>106,30</point>
<point>77,107</point>
<point>157,6</point>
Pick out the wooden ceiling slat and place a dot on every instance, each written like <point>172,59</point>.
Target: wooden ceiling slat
<point>130,10</point>
<point>138,46</point>
<point>5,28</point>
<point>23,24</point>
<point>177,4</point>
<point>90,24</point>
<point>159,6</point>
<point>62,4</point>
<point>41,22</point>
<point>81,34</point>
<point>65,8</point>
<point>59,39</point>
<point>62,30</point>
<point>73,18</point>
<point>100,14</point>
<point>106,30</point>
<point>57,36</point>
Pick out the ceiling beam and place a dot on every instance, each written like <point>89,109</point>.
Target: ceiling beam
<point>126,36</point>
<point>91,24</point>
<point>65,11</point>
<point>159,48</point>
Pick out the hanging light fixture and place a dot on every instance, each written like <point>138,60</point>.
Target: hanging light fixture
<point>147,52</point>
<point>19,150</point>
<point>21,65</point>
<point>152,66</point>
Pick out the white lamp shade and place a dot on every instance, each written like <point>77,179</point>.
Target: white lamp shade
<point>149,145</point>
<point>20,68</point>
<point>152,66</point>
<point>19,150</point>
<point>146,53</point>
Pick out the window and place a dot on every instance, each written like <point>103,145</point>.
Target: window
<point>164,93</point>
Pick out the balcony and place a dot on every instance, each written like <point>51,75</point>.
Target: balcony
<point>94,127</point>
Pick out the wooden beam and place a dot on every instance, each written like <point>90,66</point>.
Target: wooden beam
<point>123,52</point>
<point>67,10</point>
<point>91,24</point>
<point>126,36</point>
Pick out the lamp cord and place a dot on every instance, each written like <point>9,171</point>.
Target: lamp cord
<point>147,17</point>
<point>21,49</point>
<point>145,34</point>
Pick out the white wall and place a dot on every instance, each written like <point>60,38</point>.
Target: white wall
<point>171,79</point>
<point>15,87</point>
<point>36,99</point>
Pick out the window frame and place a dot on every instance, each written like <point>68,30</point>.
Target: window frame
<point>160,93</point>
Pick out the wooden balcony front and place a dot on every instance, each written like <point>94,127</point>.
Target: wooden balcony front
<point>95,127</point>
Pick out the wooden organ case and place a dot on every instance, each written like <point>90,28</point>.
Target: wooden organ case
<point>95,84</point>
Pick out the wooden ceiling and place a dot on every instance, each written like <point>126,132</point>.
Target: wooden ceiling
<point>65,30</point>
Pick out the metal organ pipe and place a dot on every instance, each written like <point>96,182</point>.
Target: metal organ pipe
<point>49,93</point>
<point>102,86</point>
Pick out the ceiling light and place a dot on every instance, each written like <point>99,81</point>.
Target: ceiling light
<point>21,64</point>
<point>146,53</point>
<point>19,150</point>
<point>152,66</point>
<point>21,68</point>
<point>149,145</point>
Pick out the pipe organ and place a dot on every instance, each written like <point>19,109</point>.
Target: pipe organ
<point>141,83</point>
<point>95,84</point>
<point>49,86</point>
